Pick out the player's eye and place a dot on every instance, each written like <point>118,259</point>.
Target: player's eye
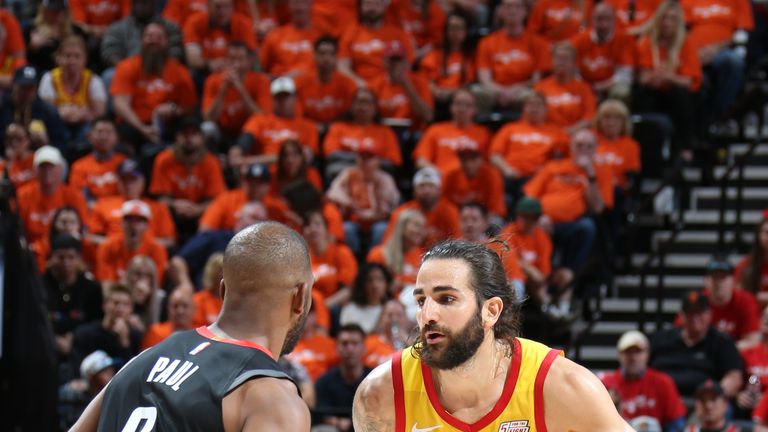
<point>447,299</point>
<point>420,301</point>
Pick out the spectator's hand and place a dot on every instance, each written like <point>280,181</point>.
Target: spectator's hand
<point>344,424</point>
<point>121,328</point>
<point>293,217</point>
<point>166,110</point>
<point>183,207</point>
<point>68,113</point>
<point>135,322</point>
<point>64,343</point>
<point>545,222</point>
<point>40,38</point>
<point>399,73</point>
<point>217,64</point>
<point>585,162</point>
<point>141,291</point>
<point>365,214</point>
<point>510,172</point>
<point>235,156</point>
<point>708,53</point>
<point>150,133</point>
<point>442,94</point>
<point>746,399</point>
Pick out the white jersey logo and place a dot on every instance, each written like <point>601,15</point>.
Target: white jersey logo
<point>426,429</point>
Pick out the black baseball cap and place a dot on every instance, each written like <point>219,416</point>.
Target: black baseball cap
<point>708,388</point>
<point>26,75</point>
<point>65,241</point>
<point>695,301</point>
<point>719,264</point>
<point>258,171</point>
<point>129,168</point>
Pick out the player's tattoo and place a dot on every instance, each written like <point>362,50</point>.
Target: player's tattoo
<point>365,414</point>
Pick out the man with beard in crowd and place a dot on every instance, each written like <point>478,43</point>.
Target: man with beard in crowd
<point>469,370</point>
<point>151,89</point>
<point>224,377</point>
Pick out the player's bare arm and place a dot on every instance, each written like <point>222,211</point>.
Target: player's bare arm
<point>576,401</point>
<point>374,407</point>
<point>89,420</point>
<point>265,404</point>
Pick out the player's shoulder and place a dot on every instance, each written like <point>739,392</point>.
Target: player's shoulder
<point>270,403</point>
<point>374,403</point>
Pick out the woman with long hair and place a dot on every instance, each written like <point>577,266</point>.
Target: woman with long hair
<point>19,154</point>
<point>66,220</point>
<point>369,293</point>
<point>615,145</point>
<point>141,278</point>
<point>401,252</point>
<point>669,74</point>
<point>292,166</point>
<point>51,26</point>
<point>752,270</point>
<point>208,300</point>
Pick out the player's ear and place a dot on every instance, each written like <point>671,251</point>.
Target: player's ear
<point>222,288</point>
<point>492,309</point>
<point>302,298</point>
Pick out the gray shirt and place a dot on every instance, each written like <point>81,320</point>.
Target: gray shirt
<point>123,40</point>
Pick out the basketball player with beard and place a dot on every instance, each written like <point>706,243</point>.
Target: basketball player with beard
<point>224,377</point>
<point>469,370</point>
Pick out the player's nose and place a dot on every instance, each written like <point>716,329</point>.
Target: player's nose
<point>429,311</point>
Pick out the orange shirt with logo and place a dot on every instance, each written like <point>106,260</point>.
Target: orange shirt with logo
<point>324,102</point>
<point>207,307</point>
<point>393,100</point>
<point>269,131</point>
<point>106,217</point>
<point>640,12</point>
<point>509,260</point>
<point>365,47</point>
<point>351,137</point>
<point>426,28</point>
<point>334,17</point>
<point>198,183</point>
<point>221,214</point>
<point>36,210</point>
<point>312,176</point>
<point>688,62</point>
<point>14,38</point>
<point>598,61</point>
<point>112,257</point>
<point>316,353</point>
<point>442,220</point>
<point>234,112</point>
<point>527,147</point>
<point>377,350</point>
<point>157,333</point>
<point>99,12</point>
<point>42,250</point>
<point>179,11</point>
<point>714,21</point>
<point>513,60</point>
<point>534,248</point>
<point>487,188</point>
<point>561,187</point>
<point>622,155</point>
<point>458,70</point>
<point>289,49</point>
<point>411,263</point>
<point>558,20</point>
<point>147,92</point>
<point>442,141</point>
<point>215,40</point>
<point>98,177</point>
<point>569,102</point>
<point>22,172</point>
<point>335,267</point>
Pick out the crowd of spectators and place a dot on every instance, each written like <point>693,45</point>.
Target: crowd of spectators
<point>140,135</point>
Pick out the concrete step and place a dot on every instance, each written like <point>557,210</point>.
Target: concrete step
<point>681,283</point>
<point>712,217</point>
<point>692,261</point>
<point>750,173</point>
<point>712,195</point>
<point>698,241</point>
<point>632,305</point>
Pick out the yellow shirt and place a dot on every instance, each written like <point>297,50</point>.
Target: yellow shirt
<point>63,97</point>
<point>519,409</point>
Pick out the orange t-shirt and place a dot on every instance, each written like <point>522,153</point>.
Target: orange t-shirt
<point>334,17</point>
<point>527,147</point>
<point>271,13</point>
<point>351,137</point>
<point>442,220</point>
<point>112,257</point>
<point>269,131</point>
<point>569,102</point>
<point>215,40</point>
<point>643,11</point>
<point>99,12</point>
<point>688,62</point>
<point>22,172</point>
<point>157,333</point>
<point>106,217</point>
<point>316,353</point>
<point>622,155</point>
<point>198,183</point>
<point>487,188</point>
<point>393,101</point>
<point>558,20</point>
<point>312,176</point>
<point>513,60</point>
<point>561,187</point>
<point>234,112</point>
<point>534,248</point>
<point>336,266</point>
<point>325,102</point>
<point>207,307</point>
<point>37,211</point>
<point>14,39</point>
<point>334,220</point>
<point>221,213</point>
<point>429,31</point>
<point>509,260</point>
<point>147,92</point>
<point>179,11</point>
<point>457,72</point>
<point>714,21</point>
<point>98,177</point>
<point>365,47</point>
<point>42,250</point>
<point>598,62</point>
<point>377,350</point>
<point>287,49</point>
<point>442,141</point>
<point>411,263</point>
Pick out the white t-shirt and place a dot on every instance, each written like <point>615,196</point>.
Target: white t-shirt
<point>365,316</point>
<point>96,90</point>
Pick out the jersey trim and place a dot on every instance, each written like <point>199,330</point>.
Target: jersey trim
<point>206,333</point>
<point>258,373</point>
<point>397,382</point>
<point>538,390</point>
<point>501,404</point>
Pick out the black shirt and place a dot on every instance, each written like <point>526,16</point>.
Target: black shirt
<point>70,306</point>
<point>178,385</point>
<point>711,358</point>
<point>334,395</point>
<point>93,336</point>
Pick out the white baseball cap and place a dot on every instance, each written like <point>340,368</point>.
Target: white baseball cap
<point>94,363</point>
<point>136,208</point>
<point>48,154</point>
<point>632,338</point>
<point>427,175</point>
<point>282,85</point>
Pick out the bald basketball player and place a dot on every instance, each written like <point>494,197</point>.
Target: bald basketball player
<point>224,377</point>
<point>469,371</point>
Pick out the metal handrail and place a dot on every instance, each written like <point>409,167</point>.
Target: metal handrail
<point>739,163</point>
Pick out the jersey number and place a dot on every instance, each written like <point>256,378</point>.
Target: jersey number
<point>147,414</point>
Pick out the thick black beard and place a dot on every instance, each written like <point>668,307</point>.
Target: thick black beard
<point>153,60</point>
<point>294,334</point>
<point>456,349</point>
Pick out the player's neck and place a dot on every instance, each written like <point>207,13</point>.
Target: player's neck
<point>459,387</point>
<point>233,329</point>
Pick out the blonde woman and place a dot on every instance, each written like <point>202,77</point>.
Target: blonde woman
<point>669,74</point>
<point>401,252</point>
<point>615,145</point>
<point>208,300</point>
<point>52,24</point>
